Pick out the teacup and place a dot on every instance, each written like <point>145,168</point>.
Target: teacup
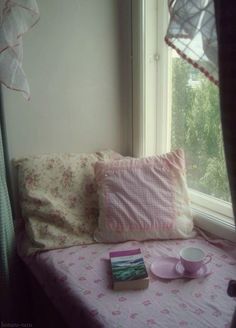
<point>192,259</point>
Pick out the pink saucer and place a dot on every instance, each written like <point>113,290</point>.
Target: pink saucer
<point>165,267</point>
<point>171,268</point>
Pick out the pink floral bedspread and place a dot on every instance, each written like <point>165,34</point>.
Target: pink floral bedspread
<point>78,282</point>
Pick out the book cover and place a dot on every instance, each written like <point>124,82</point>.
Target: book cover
<point>128,270</point>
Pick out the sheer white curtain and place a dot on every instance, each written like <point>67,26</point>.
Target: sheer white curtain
<point>192,33</point>
<point>16,18</point>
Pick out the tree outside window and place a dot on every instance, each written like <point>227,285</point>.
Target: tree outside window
<point>196,128</point>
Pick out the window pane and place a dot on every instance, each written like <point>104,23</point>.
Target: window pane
<point>196,128</point>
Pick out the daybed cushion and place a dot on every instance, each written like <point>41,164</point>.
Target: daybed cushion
<point>58,199</point>
<point>78,282</point>
<point>141,199</point>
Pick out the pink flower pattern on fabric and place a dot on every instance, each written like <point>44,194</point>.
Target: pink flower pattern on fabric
<point>58,199</point>
<point>171,303</point>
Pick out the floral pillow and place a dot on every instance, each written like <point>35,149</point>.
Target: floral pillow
<point>142,199</point>
<point>58,199</point>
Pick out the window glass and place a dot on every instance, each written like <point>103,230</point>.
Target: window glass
<point>195,126</point>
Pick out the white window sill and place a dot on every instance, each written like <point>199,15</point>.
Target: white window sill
<point>217,224</point>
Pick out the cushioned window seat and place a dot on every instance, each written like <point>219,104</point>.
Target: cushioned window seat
<point>71,199</point>
<point>77,280</point>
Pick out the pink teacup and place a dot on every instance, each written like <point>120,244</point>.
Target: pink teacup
<point>192,259</point>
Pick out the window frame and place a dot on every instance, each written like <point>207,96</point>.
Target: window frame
<point>151,106</point>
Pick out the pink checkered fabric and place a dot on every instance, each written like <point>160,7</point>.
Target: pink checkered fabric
<point>143,199</point>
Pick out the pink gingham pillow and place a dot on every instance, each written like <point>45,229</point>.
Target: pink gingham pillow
<point>142,199</point>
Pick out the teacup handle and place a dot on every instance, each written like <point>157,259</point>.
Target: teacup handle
<point>205,261</point>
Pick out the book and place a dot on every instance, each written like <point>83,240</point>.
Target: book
<point>128,270</point>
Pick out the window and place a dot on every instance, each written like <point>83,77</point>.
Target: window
<point>195,126</point>
<point>175,106</point>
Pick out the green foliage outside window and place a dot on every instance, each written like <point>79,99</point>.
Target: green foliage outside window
<point>196,128</point>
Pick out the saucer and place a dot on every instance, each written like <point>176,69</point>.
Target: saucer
<point>165,268</point>
<point>171,268</point>
<point>202,272</point>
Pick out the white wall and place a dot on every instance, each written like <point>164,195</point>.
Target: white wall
<point>77,59</point>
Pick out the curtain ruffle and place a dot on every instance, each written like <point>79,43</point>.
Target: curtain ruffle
<point>192,33</point>
<point>16,18</point>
